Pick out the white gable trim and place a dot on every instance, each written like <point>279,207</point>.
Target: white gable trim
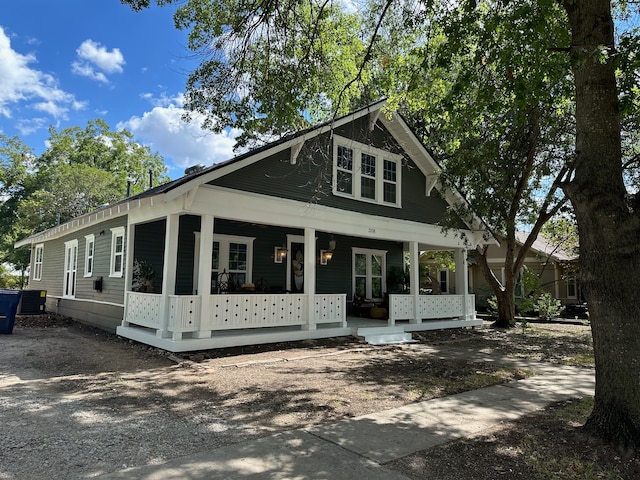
<point>250,159</point>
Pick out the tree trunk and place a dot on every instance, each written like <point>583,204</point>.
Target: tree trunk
<point>608,228</point>
<point>505,294</point>
<point>506,309</point>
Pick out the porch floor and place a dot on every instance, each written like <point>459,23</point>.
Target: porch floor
<point>236,338</point>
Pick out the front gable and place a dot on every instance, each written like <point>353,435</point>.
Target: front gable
<point>316,175</point>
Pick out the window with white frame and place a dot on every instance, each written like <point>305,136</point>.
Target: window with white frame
<point>89,247</point>
<point>70,268</point>
<point>366,173</point>
<point>38,256</point>
<point>572,290</point>
<point>117,252</point>
<point>233,255</point>
<point>369,267</point>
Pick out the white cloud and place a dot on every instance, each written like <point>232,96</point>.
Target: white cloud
<point>185,144</point>
<point>86,70</point>
<point>21,83</point>
<point>28,126</point>
<point>94,60</point>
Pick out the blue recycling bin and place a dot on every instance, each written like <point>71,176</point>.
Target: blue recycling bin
<point>9,300</point>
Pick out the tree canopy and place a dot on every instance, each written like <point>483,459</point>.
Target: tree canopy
<point>79,171</point>
<point>497,86</point>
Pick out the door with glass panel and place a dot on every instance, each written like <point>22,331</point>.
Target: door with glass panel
<point>369,267</point>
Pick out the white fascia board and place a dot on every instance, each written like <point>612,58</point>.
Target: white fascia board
<point>427,165</point>
<point>161,209</point>
<point>410,144</point>
<point>84,221</point>
<point>267,210</point>
<point>294,142</point>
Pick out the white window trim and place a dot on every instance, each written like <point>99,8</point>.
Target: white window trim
<point>369,252</point>
<point>115,234</point>
<point>70,246</point>
<point>380,155</point>
<point>38,261</point>
<point>88,240</point>
<point>225,240</point>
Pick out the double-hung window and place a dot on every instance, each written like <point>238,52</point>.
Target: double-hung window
<point>366,173</point>
<point>117,252</point>
<point>38,257</point>
<point>89,247</point>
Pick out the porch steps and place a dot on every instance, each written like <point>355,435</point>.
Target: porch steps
<point>384,335</point>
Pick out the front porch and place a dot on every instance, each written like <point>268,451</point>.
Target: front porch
<point>181,323</point>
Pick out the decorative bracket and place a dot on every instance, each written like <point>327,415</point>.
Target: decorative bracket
<point>432,179</point>
<point>373,118</point>
<point>295,151</point>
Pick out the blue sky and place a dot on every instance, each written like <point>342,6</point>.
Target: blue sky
<point>65,62</point>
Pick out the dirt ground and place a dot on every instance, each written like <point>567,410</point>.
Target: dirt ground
<point>81,402</point>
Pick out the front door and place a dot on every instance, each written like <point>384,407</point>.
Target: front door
<point>70,268</point>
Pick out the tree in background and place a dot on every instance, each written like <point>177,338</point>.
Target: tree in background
<point>291,35</point>
<point>496,109</point>
<point>81,170</point>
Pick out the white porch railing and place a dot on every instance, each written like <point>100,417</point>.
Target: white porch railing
<point>403,307</point>
<point>144,309</point>
<point>192,313</point>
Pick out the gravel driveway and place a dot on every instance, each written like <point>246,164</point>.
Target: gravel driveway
<point>76,402</point>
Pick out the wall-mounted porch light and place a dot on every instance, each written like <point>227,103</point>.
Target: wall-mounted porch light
<point>325,256</point>
<point>279,254</point>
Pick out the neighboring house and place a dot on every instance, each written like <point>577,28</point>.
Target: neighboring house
<point>270,246</point>
<point>556,269</point>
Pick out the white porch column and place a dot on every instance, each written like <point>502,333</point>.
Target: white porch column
<point>204,274</point>
<point>462,279</point>
<point>128,280</point>
<point>310,275</point>
<point>414,279</point>
<point>169,270</point>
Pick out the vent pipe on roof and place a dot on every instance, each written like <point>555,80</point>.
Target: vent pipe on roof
<point>150,178</point>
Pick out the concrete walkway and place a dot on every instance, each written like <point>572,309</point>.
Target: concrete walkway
<point>358,447</point>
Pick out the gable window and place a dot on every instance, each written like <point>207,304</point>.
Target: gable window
<point>365,173</point>
<point>117,252</point>
<point>37,261</point>
<point>369,267</point>
<point>88,254</point>
<point>70,268</point>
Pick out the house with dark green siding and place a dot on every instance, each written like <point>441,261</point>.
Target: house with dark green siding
<point>312,236</point>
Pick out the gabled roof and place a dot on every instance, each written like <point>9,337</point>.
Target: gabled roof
<point>169,191</point>
<point>546,249</point>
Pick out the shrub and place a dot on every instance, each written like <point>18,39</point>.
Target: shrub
<point>548,307</point>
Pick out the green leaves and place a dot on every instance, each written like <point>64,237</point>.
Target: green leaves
<point>81,170</point>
